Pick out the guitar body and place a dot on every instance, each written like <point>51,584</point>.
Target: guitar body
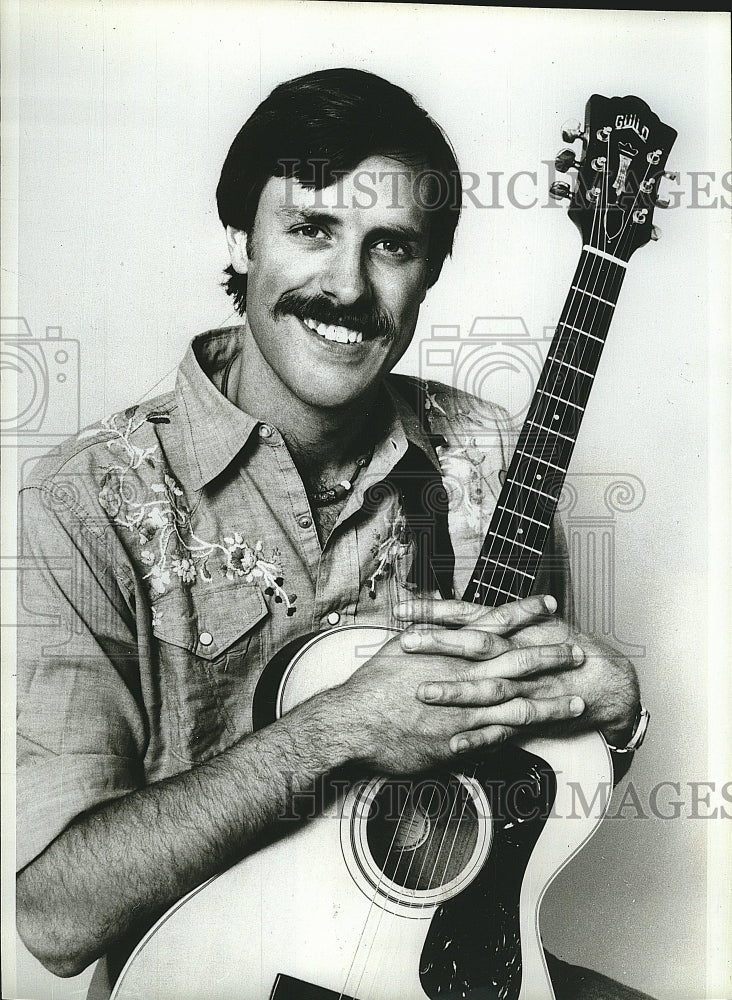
<point>389,889</point>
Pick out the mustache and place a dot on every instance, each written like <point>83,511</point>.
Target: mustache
<point>364,316</point>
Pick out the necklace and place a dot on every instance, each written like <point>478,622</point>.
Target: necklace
<point>332,494</point>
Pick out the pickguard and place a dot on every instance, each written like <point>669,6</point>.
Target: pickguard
<point>473,947</point>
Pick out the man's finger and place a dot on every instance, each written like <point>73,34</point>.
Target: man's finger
<point>482,685</point>
<point>467,643</point>
<point>459,614</point>
<point>516,715</point>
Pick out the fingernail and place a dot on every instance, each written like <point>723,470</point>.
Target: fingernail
<point>550,603</point>
<point>401,610</point>
<point>457,745</point>
<point>578,654</point>
<point>431,692</point>
<point>411,640</point>
<point>576,706</point>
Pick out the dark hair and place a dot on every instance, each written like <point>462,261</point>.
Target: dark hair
<point>318,127</point>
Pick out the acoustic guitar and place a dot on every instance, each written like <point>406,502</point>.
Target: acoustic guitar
<point>430,887</point>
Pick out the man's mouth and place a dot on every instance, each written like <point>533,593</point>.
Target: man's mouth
<point>339,334</point>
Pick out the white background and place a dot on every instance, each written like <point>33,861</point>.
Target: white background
<point>124,114</point>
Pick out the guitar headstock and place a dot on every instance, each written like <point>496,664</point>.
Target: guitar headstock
<point>625,148</point>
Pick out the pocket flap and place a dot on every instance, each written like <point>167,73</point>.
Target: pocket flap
<point>210,620</point>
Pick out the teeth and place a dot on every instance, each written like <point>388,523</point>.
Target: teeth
<point>339,334</point>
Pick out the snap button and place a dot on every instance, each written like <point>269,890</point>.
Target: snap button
<point>333,618</point>
<point>205,638</point>
<point>265,431</point>
<point>304,522</point>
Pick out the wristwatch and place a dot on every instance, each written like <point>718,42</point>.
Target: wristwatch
<point>640,727</point>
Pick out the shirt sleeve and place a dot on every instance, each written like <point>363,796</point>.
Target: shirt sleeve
<point>80,729</point>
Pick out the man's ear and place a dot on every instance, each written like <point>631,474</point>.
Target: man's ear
<point>434,272</point>
<point>237,241</point>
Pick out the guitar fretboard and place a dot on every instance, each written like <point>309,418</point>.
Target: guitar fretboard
<point>509,559</point>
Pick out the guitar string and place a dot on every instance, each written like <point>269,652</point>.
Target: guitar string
<point>581,327</point>
<point>606,276</point>
<point>608,279</point>
<point>417,906</point>
<point>445,831</point>
<point>556,374</point>
<point>466,800</point>
<point>372,903</point>
<point>561,383</point>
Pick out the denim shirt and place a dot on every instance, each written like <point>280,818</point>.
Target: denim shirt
<point>169,551</point>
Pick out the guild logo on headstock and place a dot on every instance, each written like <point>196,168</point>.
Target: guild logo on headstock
<point>626,152</point>
<point>633,122</point>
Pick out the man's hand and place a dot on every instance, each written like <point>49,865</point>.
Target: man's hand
<point>436,691</point>
<point>603,678</point>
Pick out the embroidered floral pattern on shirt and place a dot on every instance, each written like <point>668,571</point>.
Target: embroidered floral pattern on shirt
<point>391,544</point>
<point>165,521</point>
<point>464,482</point>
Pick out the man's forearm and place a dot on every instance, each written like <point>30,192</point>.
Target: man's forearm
<point>126,862</point>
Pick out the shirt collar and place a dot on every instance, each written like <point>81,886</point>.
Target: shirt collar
<point>409,419</point>
<point>215,430</point>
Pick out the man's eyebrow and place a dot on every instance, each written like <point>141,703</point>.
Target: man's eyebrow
<point>311,215</point>
<point>407,234</point>
<point>314,216</point>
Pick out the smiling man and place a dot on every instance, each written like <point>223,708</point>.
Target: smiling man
<point>282,488</point>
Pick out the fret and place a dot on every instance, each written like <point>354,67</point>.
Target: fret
<point>523,486</point>
<point>544,461</point>
<point>583,291</point>
<point>561,400</point>
<point>513,541</point>
<point>584,333</point>
<point>524,517</point>
<point>551,431</point>
<point>573,367</point>
<point>498,590</point>
<point>513,569</point>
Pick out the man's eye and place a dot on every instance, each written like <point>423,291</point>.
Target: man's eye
<point>393,249</point>
<point>309,231</point>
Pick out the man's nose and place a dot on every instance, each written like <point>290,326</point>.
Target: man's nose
<point>345,278</point>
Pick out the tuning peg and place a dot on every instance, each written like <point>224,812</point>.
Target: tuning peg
<point>559,190</point>
<point>572,130</point>
<point>672,175</point>
<point>656,233</point>
<point>565,160</point>
<point>661,202</point>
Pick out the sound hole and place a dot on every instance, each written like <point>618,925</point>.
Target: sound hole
<point>422,835</point>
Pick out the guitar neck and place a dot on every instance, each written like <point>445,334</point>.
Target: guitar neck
<point>509,559</point>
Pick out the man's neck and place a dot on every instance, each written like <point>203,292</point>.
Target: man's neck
<point>320,440</point>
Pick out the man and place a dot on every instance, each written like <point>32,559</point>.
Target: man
<point>177,546</point>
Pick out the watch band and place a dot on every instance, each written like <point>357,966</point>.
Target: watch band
<point>639,732</point>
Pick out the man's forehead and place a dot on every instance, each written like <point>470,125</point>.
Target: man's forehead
<point>380,184</point>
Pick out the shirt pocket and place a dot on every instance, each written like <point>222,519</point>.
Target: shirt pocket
<point>210,652</point>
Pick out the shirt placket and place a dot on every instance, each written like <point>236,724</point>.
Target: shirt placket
<point>338,598</point>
